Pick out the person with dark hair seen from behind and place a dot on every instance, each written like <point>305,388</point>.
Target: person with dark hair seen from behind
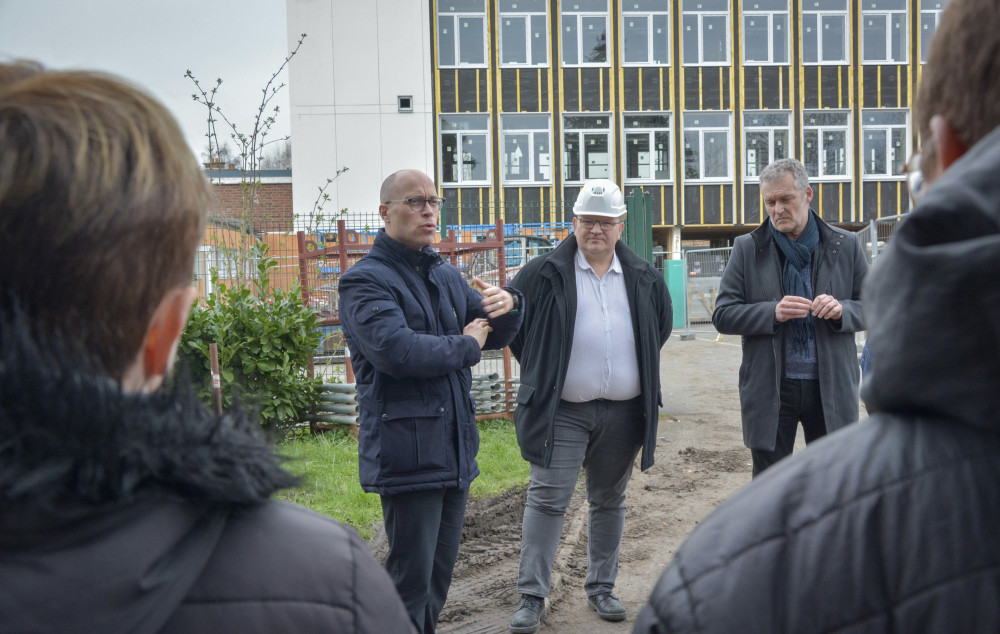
<point>125,504</point>
<point>891,525</point>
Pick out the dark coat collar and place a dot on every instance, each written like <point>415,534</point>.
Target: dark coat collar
<point>71,435</point>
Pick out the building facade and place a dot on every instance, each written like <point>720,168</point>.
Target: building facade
<point>686,99</point>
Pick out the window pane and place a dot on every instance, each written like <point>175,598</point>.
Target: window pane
<point>706,120</point>
<point>470,42</point>
<point>835,153</point>
<point>543,157</point>
<point>661,142</point>
<point>780,25</point>
<point>516,155</point>
<point>897,153</point>
<point>874,40</point>
<point>834,31</point>
<point>898,37</point>
<point>571,155</point>
<point>446,41</point>
<point>449,158</point>
<point>512,45</point>
<point>780,144</point>
<point>706,5</point>
<point>692,151</point>
<point>715,38</point>
<point>647,121</point>
<point>570,40</point>
<point>661,39</point>
<point>525,6</point>
<point>811,158</point>
<point>593,39</point>
<point>874,152</point>
<point>765,119</point>
<point>636,39</point>
<point>474,157</point>
<point>825,118</point>
<point>463,6</point>
<point>756,38</point>
<point>595,149</point>
<point>589,5</point>
<point>637,156</point>
<point>690,39</point>
<point>757,153</point>
<point>810,39</point>
<point>466,122</point>
<point>539,40</point>
<point>927,27</point>
<point>716,155</point>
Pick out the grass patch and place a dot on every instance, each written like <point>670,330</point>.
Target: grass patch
<point>327,465</point>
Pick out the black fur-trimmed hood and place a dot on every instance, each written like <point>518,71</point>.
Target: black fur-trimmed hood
<point>69,435</point>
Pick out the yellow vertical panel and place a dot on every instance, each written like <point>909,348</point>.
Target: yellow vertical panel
<point>701,75</point>
<point>760,88</point>
<point>878,200</point>
<point>840,87</point>
<point>659,106</point>
<point>722,204</point>
<point>538,75</point>
<point>701,203</point>
<point>878,87</point>
<point>640,90</point>
<point>517,86</point>
<point>722,89</point>
<point>456,89</point>
<point>600,89</point>
<point>479,106</point>
<point>819,84</point>
<point>781,86</point>
<point>520,207</point>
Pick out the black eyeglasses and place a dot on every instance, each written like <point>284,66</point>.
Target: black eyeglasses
<point>606,225</point>
<point>417,204</point>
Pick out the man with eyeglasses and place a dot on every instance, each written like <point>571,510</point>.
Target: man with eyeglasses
<point>415,328</point>
<point>596,317</point>
<point>890,525</point>
<point>792,290</point>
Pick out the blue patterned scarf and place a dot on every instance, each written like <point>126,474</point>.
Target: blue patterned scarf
<point>798,255</point>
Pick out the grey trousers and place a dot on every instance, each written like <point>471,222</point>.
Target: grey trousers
<point>603,437</point>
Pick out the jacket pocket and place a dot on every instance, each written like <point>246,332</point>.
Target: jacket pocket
<point>414,443</point>
<point>524,394</point>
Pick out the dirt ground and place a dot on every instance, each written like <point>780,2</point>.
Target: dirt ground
<point>700,461</point>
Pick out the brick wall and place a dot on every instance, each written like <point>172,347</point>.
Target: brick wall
<point>273,213</point>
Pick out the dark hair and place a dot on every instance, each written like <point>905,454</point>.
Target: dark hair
<point>102,205</point>
<point>961,80</point>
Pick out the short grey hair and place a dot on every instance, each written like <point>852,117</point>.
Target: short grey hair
<point>781,168</point>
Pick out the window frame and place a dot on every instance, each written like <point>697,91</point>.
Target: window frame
<point>730,149</point>
<point>848,144</point>
<point>527,15</point>
<point>925,42</point>
<point>887,128</point>
<point>701,15</point>
<point>606,15</point>
<point>650,132</point>
<point>648,16</point>
<point>748,128</point>
<point>579,132</point>
<point>531,132</point>
<point>456,17</point>
<point>888,13</point>
<point>461,134</point>
<point>769,14</point>
<point>845,13</point>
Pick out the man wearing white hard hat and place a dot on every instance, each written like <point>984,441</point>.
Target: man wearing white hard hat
<point>595,317</point>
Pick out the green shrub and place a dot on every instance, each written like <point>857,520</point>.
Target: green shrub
<point>266,338</point>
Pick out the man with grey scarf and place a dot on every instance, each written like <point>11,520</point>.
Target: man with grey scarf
<point>792,290</point>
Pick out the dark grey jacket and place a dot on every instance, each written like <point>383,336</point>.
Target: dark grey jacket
<point>147,513</point>
<point>543,344</point>
<point>748,293</point>
<point>890,525</point>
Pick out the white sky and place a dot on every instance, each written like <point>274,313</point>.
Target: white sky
<point>153,43</point>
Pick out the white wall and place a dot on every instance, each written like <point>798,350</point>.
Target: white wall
<point>358,56</point>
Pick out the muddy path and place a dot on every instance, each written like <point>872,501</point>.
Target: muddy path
<point>700,461</point>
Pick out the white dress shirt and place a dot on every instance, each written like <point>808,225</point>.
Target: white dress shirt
<point>602,362</point>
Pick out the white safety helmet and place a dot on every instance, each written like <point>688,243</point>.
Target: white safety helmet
<point>600,197</point>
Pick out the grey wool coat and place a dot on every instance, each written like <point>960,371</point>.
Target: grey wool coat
<point>750,289</point>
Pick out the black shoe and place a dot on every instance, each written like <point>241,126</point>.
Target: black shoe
<point>529,615</point>
<point>607,606</point>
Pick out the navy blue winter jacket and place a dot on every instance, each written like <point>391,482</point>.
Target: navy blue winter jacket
<point>402,312</point>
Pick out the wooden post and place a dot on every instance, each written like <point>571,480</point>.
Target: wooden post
<point>213,356</point>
